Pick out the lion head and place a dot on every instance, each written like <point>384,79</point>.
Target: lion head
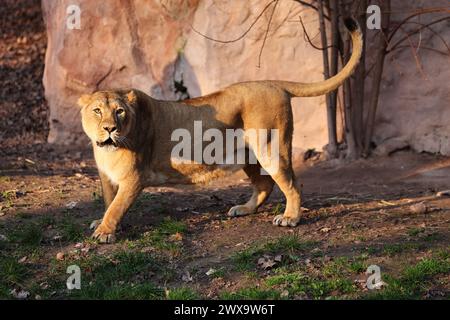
<point>108,118</point>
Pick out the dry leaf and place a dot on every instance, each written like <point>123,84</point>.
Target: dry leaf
<point>187,277</point>
<point>266,262</point>
<point>20,294</point>
<point>211,271</point>
<point>71,204</point>
<point>177,237</point>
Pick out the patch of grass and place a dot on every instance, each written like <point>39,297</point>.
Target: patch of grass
<point>219,273</point>
<point>251,294</point>
<point>336,267</point>
<point>279,209</point>
<point>159,237</point>
<point>8,196</point>
<point>170,226</point>
<point>245,259</point>
<point>414,280</point>
<point>415,231</point>
<point>358,266</point>
<point>124,275</point>
<point>11,272</point>
<point>288,243</point>
<point>182,293</point>
<point>70,230</point>
<point>300,283</point>
<point>396,248</point>
<point>29,235</point>
<point>431,237</point>
<point>291,244</point>
<point>46,220</point>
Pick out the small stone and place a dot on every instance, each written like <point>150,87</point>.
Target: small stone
<point>418,208</point>
<point>60,256</point>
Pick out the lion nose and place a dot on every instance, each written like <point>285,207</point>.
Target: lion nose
<point>110,129</point>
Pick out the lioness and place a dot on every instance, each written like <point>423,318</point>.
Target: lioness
<point>131,137</point>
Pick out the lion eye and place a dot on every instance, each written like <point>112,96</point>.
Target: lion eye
<point>97,110</point>
<point>119,111</point>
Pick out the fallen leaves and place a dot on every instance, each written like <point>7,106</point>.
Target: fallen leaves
<point>325,230</point>
<point>211,271</point>
<point>19,294</point>
<point>71,204</point>
<point>268,262</point>
<point>60,256</point>
<point>177,237</point>
<point>186,277</point>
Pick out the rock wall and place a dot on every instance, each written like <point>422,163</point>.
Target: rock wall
<point>150,45</point>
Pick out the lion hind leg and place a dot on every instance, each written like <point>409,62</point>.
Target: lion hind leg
<point>262,187</point>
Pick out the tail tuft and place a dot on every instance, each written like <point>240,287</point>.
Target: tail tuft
<point>351,24</point>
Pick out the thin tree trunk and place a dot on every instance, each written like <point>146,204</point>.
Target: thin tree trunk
<point>331,148</point>
<point>380,46</point>
<point>331,108</point>
<point>358,81</point>
<point>352,152</point>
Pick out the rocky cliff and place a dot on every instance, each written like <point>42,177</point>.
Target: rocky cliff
<point>151,45</point>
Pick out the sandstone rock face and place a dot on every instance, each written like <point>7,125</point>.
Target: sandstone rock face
<point>150,45</point>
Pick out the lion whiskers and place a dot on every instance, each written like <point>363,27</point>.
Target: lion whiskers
<point>124,141</point>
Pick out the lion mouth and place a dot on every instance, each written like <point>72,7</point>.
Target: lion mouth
<point>107,142</point>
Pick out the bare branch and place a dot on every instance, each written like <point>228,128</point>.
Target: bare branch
<point>415,14</point>
<point>305,33</point>
<point>266,34</point>
<point>422,26</point>
<point>241,36</point>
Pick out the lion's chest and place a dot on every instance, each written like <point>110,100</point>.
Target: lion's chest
<point>115,165</point>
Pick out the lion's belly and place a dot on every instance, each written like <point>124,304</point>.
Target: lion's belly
<point>189,173</point>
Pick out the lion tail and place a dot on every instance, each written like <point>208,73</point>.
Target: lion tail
<point>298,89</point>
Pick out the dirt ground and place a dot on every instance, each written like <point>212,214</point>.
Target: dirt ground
<point>381,211</point>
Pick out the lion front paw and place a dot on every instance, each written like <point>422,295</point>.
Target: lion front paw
<point>283,221</point>
<point>104,235</point>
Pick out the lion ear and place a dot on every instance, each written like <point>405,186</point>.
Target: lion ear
<point>84,100</point>
<point>131,97</point>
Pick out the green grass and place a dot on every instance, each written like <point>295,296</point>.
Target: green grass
<point>290,245</point>
<point>414,280</point>
<point>11,272</point>
<point>279,208</point>
<point>333,279</point>
<point>159,237</point>
<point>70,230</point>
<point>30,235</point>
<point>397,248</point>
<point>415,231</point>
<point>124,275</point>
<point>182,293</point>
